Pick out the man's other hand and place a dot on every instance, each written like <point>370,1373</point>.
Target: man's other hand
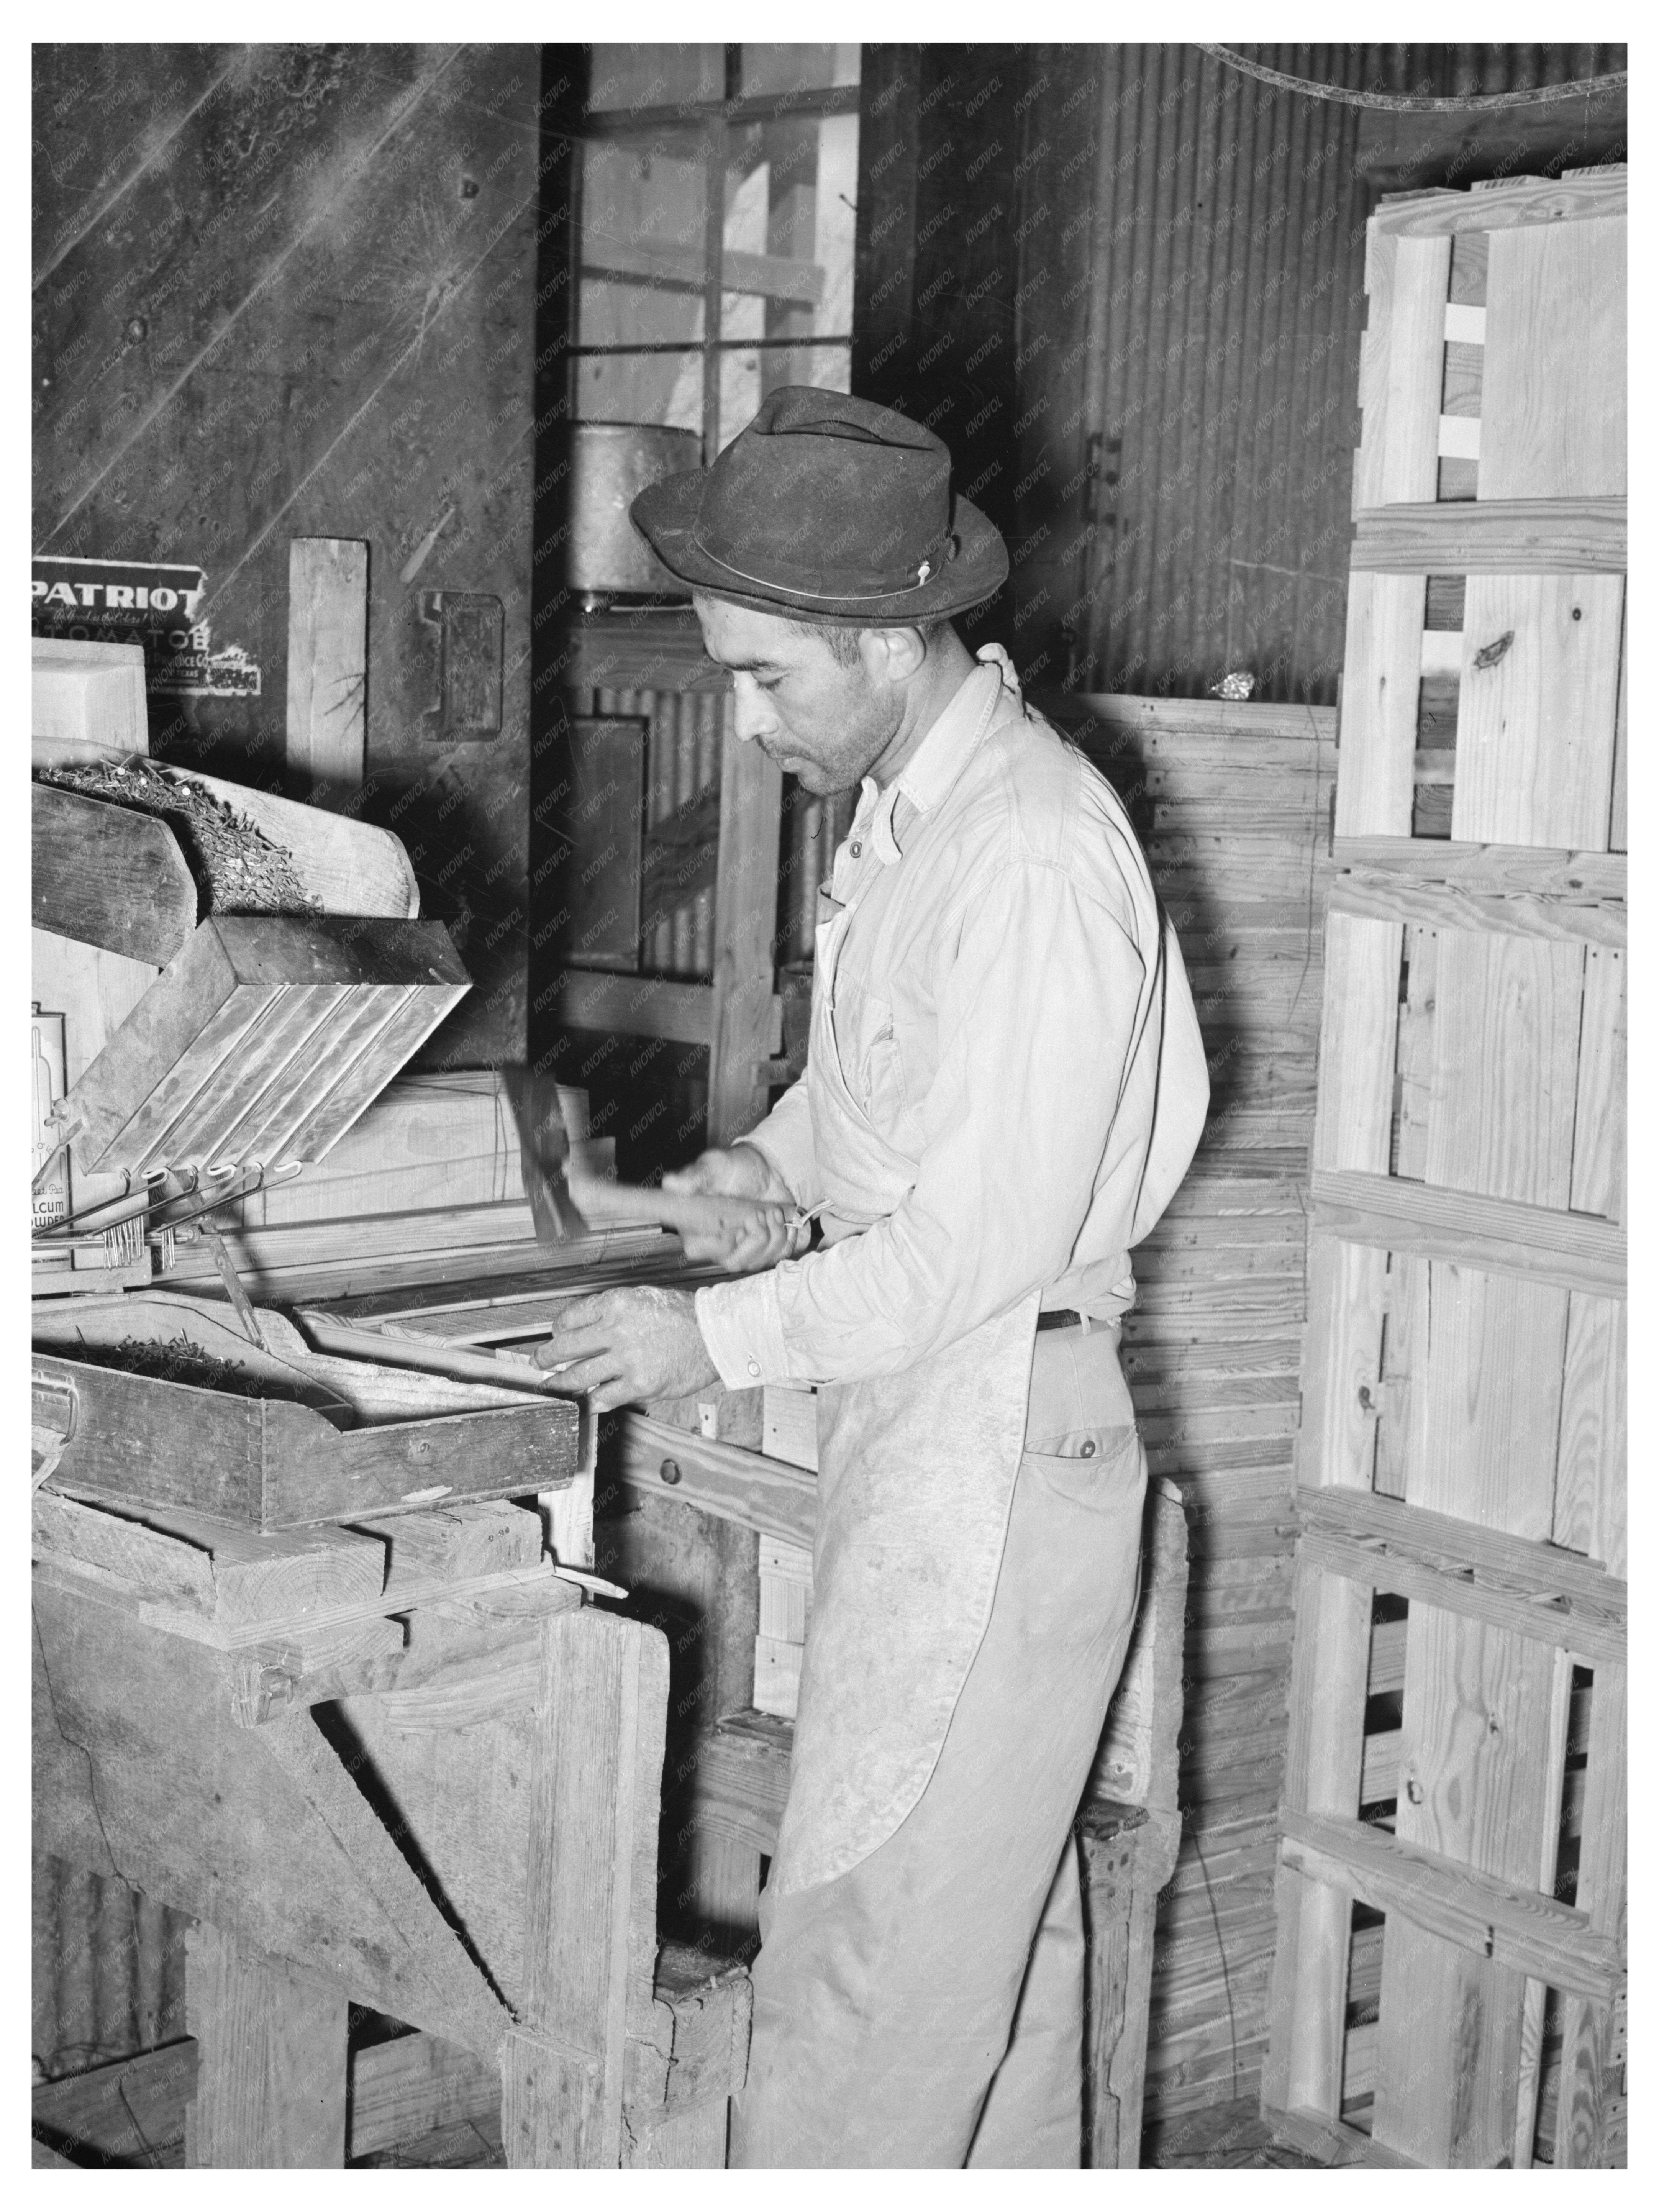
<point>619,1348</point>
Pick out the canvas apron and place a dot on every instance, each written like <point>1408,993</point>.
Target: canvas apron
<point>915,1482</point>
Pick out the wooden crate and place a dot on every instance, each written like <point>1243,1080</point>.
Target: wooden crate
<point>315,1439</point>
<point>1460,1581</point>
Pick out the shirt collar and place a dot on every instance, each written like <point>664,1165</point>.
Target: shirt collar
<point>930,774</point>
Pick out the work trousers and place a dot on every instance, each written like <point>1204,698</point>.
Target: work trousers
<point>925,2009</point>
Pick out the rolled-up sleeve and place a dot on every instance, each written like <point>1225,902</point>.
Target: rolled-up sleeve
<point>1037,990</point>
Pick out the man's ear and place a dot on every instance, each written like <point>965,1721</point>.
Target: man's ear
<point>892,656</point>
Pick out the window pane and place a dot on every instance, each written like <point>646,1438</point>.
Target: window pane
<point>789,225</point>
<point>645,75</point>
<point>798,68</point>
<point>641,387</point>
<point>642,215</point>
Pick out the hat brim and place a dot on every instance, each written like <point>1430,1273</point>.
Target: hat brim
<point>666,516</point>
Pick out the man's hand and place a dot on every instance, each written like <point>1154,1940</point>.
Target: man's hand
<point>740,1171</point>
<point>620,1346</point>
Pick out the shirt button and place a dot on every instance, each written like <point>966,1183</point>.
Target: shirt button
<point>857,852</point>
<point>1089,1448</point>
<point>754,1368</point>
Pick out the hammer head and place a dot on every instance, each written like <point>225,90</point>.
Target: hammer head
<point>544,1110</point>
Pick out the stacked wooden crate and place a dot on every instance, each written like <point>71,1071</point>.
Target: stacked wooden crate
<point>1448,1986</point>
<point>1233,804</point>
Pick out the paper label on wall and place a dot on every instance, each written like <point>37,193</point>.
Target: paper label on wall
<point>154,604</point>
<point>50,1202</point>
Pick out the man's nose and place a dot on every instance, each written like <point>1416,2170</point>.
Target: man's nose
<point>750,716</point>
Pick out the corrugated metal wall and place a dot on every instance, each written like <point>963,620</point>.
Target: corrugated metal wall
<point>1208,529</point>
<point>1188,302</point>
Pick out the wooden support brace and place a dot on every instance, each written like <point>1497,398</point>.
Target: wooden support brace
<point>1497,1235</point>
<point>1518,1928</point>
<point>271,2081</point>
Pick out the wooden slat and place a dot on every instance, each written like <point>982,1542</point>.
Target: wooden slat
<point>1335,2143</point>
<point>1497,1236</point>
<point>1382,670</point>
<point>1490,869</point>
<point>327,666</point>
<point>746,1020</point>
<point>764,1494</point>
<point>1504,537</point>
<point>591,1890</point>
<point>1535,1590</point>
<point>637,1005</point>
<point>1389,898</point>
<point>1400,368</point>
<point>765,275</point>
<point>1517,1927</point>
<point>1584,198</point>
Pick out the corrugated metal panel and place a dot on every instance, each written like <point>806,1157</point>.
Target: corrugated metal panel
<point>108,1971</point>
<point>1185,453</point>
<point>1229,237</point>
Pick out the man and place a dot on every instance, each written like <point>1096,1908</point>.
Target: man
<point>1005,1083</point>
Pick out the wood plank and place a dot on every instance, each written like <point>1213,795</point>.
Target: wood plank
<point>1553,404</point>
<point>1536,724</point>
<point>327,666</point>
<point>1494,1235</point>
<point>591,1896</point>
<point>1399,369</point>
<point>108,876</point>
<point>761,1493</point>
<point>1514,1925</point>
<point>1381,674</point>
<point>637,1005</point>
<point>1490,869</point>
<point>86,702</point>
<point>1388,896</point>
<point>1333,2141</point>
<point>741,1031</point>
<point>1589,194</point>
<point>1535,1589</point>
<point>271,2079</point>
<point>1504,537</point>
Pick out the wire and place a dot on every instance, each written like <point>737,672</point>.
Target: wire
<point>1411,102</point>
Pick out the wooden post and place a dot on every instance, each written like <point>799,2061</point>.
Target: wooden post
<point>271,2081</point>
<point>327,667</point>
<point>746,917</point>
<point>590,1893</point>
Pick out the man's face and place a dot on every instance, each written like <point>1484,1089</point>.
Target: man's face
<point>825,724</point>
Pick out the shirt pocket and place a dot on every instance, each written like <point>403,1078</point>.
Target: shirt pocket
<point>867,1047</point>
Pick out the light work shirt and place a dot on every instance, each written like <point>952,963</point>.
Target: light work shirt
<point>1014,1048</point>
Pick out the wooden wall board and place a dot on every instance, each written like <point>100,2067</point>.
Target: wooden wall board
<point>327,667</point>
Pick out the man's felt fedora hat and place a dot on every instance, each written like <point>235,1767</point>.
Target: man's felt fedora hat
<point>829,509</point>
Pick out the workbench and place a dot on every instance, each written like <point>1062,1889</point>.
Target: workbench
<point>402,1766</point>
